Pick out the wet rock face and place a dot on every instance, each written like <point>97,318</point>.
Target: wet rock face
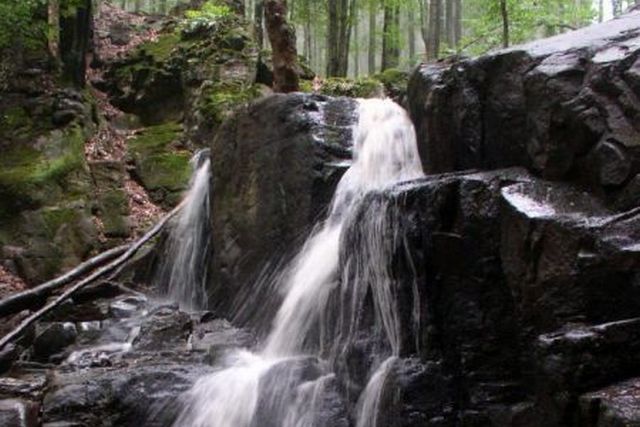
<point>275,165</point>
<point>566,108</point>
<point>528,302</point>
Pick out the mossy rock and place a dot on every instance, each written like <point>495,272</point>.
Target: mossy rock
<point>358,88</point>
<point>46,241</point>
<point>395,83</point>
<point>112,204</point>
<point>161,164</point>
<point>31,177</point>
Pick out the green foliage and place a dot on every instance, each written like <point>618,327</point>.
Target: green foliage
<point>23,23</point>
<point>528,20</point>
<point>210,14</point>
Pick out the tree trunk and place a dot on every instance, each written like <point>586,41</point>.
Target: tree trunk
<point>390,37</point>
<point>616,5</point>
<point>424,23</point>
<point>435,20</point>
<point>341,14</point>
<point>283,44</point>
<point>356,48</point>
<point>457,22</point>
<point>54,22</point>
<point>411,28</point>
<point>258,13</point>
<point>345,42</point>
<point>75,37</point>
<point>450,24</point>
<point>371,60</point>
<point>307,30</point>
<point>505,23</point>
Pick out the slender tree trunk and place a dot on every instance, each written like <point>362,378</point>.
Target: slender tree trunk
<point>435,21</point>
<point>390,38</point>
<point>424,23</point>
<point>258,13</point>
<point>283,44</point>
<point>54,22</point>
<point>450,24</point>
<point>616,5</point>
<point>333,37</point>
<point>505,23</point>
<point>371,59</point>
<point>457,22</point>
<point>307,30</point>
<point>356,48</point>
<point>411,28</point>
<point>75,38</point>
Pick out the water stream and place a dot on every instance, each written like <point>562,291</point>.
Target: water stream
<point>183,273</point>
<point>300,367</point>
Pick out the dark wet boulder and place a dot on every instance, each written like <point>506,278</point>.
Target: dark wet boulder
<point>515,297</point>
<point>275,165</point>
<point>564,107</point>
<point>616,405</point>
<point>52,339</point>
<point>125,396</point>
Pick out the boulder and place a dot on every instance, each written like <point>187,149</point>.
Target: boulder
<point>275,165</point>
<point>515,297</point>
<point>564,107</point>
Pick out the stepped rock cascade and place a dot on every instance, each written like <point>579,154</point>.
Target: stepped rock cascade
<point>299,375</point>
<point>183,270</point>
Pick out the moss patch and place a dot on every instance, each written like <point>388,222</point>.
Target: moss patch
<point>358,88</point>
<point>221,99</point>
<point>161,166</point>
<point>29,177</point>
<point>161,48</point>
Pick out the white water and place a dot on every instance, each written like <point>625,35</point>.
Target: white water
<point>384,153</point>
<point>182,271</point>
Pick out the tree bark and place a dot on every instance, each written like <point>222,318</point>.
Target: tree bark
<point>371,59</point>
<point>411,28</point>
<point>96,275</point>
<point>435,25</point>
<point>450,24</point>
<point>341,13</point>
<point>505,23</point>
<point>258,13</point>
<point>75,37</point>
<point>283,44</point>
<point>457,22</point>
<point>390,38</point>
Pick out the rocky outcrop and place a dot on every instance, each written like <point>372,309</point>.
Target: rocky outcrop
<point>195,72</point>
<point>45,184</point>
<point>275,165</point>
<point>566,107</point>
<point>526,297</point>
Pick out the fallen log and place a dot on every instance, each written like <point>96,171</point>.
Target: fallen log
<point>101,272</point>
<point>23,300</point>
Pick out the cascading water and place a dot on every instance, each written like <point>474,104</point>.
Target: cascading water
<point>296,368</point>
<point>183,271</point>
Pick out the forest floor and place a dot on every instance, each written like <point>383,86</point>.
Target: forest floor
<point>110,142</point>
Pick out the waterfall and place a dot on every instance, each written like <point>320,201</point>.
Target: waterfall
<point>300,365</point>
<point>182,274</point>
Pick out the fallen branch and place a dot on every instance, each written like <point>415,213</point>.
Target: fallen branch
<point>103,271</point>
<point>17,302</point>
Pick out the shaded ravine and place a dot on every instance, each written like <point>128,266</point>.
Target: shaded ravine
<point>292,372</point>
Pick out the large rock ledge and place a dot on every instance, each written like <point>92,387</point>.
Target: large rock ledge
<point>275,164</point>
<point>566,107</point>
<point>528,302</point>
